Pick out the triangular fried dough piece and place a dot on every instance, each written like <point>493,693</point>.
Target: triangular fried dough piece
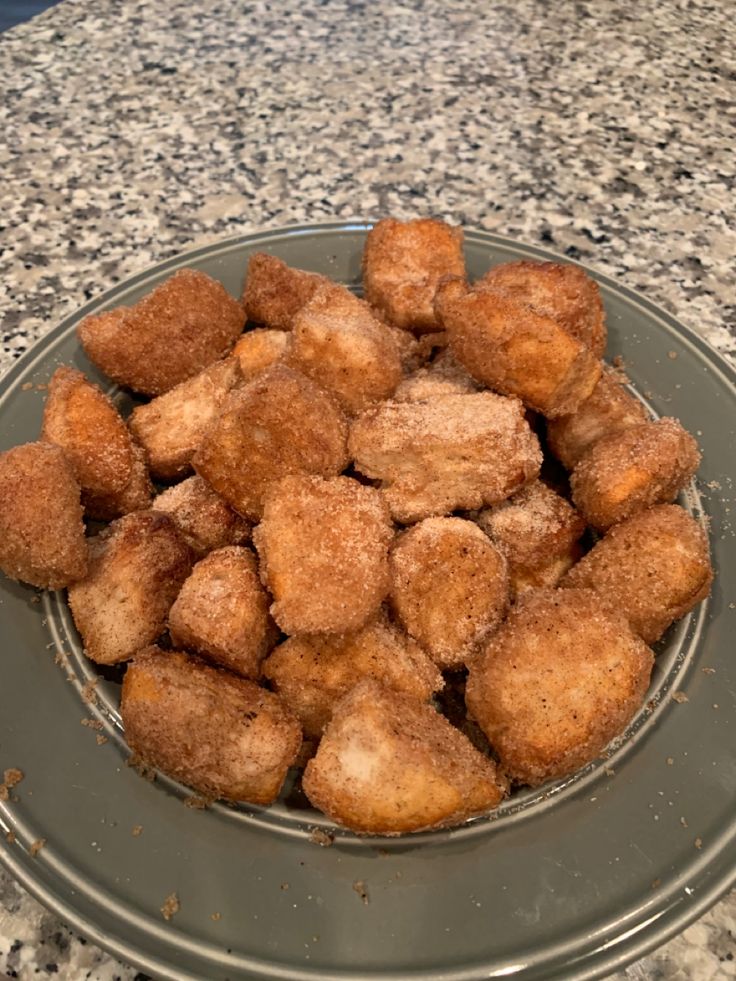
<point>388,764</point>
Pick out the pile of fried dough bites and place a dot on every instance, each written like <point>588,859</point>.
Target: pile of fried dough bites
<point>358,504</point>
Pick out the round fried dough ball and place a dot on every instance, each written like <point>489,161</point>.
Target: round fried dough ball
<point>323,546</point>
<point>554,685</point>
<point>633,469</point>
<point>610,409</point>
<point>449,587</point>
<point>559,290</point>
<point>653,567</point>
<point>41,530</point>
<point>515,350</point>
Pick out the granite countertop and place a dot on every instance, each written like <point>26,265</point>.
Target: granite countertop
<point>130,130</point>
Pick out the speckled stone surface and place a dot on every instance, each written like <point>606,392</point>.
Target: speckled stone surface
<point>132,130</point>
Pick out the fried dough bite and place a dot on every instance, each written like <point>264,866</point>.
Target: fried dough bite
<point>323,546</point>
<point>171,427</point>
<point>389,764</point>
<point>453,452</point>
<point>41,530</point>
<point>610,409</point>
<point>312,673</point>
<point>136,568</point>
<point>556,289</point>
<point>508,346</point>
<point>444,376</point>
<point>221,735</point>
<point>204,520</point>
<point>109,467</point>
<point>221,612</point>
<point>654,567</point>
<point>557,682</point>
<point>280,423</point>
<point>537,531</point>
<point>274,292</point>
<point>449,587</point>
<point>182,326</point>
<point>259,349</point>
<point>403,261</point>
<point>634,469</point>
<point>340,345</point>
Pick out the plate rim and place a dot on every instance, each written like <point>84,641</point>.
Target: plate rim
<point>597,963</point>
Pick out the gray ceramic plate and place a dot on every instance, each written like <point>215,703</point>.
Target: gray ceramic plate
<point>569,882</point>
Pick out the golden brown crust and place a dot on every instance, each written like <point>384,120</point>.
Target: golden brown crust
<point>221,612</point>
<point>634,469</point>
<point>654,567</point>
<point>389,764</point>
<point>449,587</point>
<point>448,453</point>
<point>221,735</point>
<point>537,531</point>
<point>312,673</point>
<point>259,349</point>
<point>109,466</point>
<point>83,421</point>
<point>557,682</point>
<point>323,546</point>
<point>402,264</point>
<point>175,331</point>
<point>609,409</point>
<point>274,292</point>
<point>511,348</point>
<point>41,530</point>
<point>443,376</point>
<point>340,345</point>
<point>136,568</point>
<point>171,427</point>
<point>281,423</point>
<point>204,520</point>
<point>558,290</point>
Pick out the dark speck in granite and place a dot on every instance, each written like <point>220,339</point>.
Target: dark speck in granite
<point>130,131</point>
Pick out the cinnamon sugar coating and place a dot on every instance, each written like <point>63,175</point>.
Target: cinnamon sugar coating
<point>634,469</point>
<point>110,468</point>
<point>278,424</point>
<point>389,764</point>
<point>221,735</point>
<point>449,587</point>
<point>513,349</point>
<point>171,427</point>
<point>323,547</point>
<point>340,345</point>
<point>313,672</point>
<point>203,519</point>
<point>41,530</point>
<point>136,568</point>
<point>274,292</point>
<point>258,349</point>
<point>182,326</point>
<point>559,290</point>
<point>221,612</point>
<point>557,682</point>
<point>537,531</point>
<point>654,567</point>
<point>403,263</point>
<point>609,409</point>
<point>448,453</point>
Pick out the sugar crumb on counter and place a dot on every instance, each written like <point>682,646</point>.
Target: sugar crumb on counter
<point>171,906</point>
